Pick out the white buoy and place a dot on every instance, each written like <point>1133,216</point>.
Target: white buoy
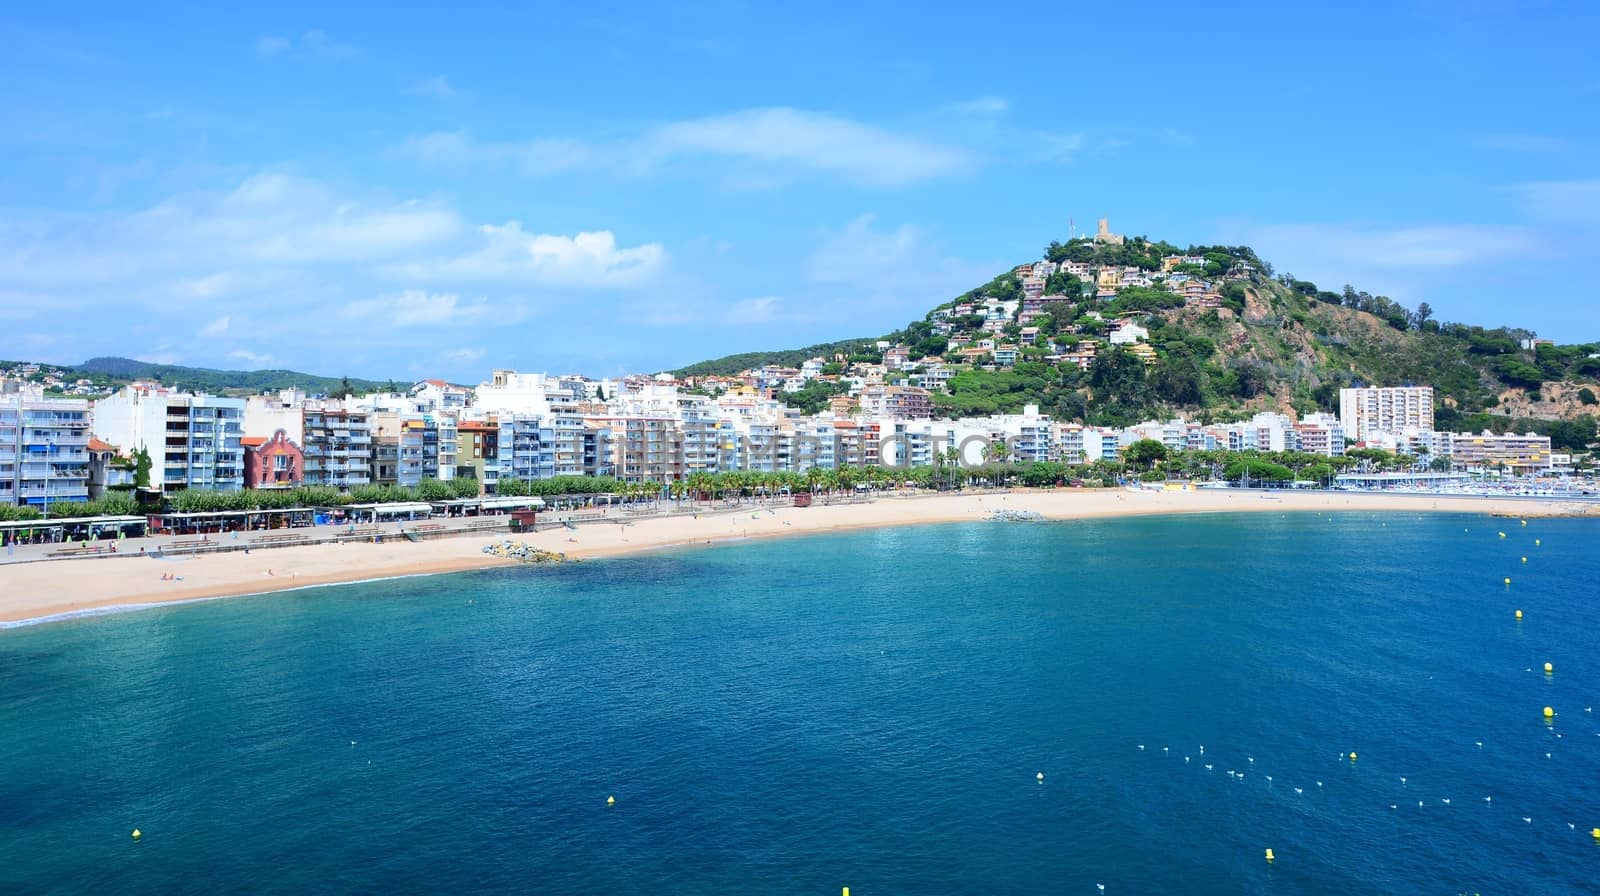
<point>1040,777</point>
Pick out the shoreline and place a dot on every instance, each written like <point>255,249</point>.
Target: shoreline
<point>38,593</point>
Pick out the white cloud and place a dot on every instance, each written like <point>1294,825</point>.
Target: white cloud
<point>260,360</point>
<point>858,253</point>
<point>27,305</point>
<point>983,105</point>
<point>416,308</point>
<point>533,158</point>
<point>1525,143</point>
<point>1569,201</point>
<point>313,43</point>
<point>810,140</point>
<point>885,274</point>
<point>1396,249</point>
<point>754,311</point>
<point>464,355</point>
<point>437,87</point>
<point>217,327</point>
<point>1406,263</point>
<point>767,146</point>
<point>1055,147</point>
<point>266,221</point>
<point>271,46</point>
<point>207,287</point>
<point>510,254</point>
<point>318,43</point>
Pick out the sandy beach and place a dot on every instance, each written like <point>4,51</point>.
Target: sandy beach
<point>41,590</point>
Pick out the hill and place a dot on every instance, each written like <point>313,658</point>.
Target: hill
<point>109,374</point>
<point>1209,332</point>
<point>729,365</point>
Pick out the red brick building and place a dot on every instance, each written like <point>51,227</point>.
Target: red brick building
<point>273,463</point>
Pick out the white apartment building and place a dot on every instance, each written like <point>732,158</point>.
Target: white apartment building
<point>337,444</point>
<point>193,439</point>
<point>527,448</point>
<point>423,446</point>
<point>44,449</point>
<point>1517,454</point>
<point>1368,411</point>
<point>1320,434</point>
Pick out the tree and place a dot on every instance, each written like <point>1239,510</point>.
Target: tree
<point>1145,453</point>
<point>141,468</point>
<point>1062,283</point>
<point>344,390</point>
<point>1586,396</point>
<point>1178,380</point>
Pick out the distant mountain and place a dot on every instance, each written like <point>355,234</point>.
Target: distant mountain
<point>1242,340</point>
<point>226,382</point>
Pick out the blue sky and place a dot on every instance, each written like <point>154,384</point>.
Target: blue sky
<point>383,192</point>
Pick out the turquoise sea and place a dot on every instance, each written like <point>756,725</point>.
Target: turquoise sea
<point>866,710</point>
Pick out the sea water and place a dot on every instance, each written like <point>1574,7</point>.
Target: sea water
<point>868,709</point>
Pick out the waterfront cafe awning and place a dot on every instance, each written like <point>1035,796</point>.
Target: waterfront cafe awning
<point>532,502</point>
<point>474,506</point>
<point>134,525</point>
<point>220,520</point>
<point>1399,480</point>
<point>393,510</point>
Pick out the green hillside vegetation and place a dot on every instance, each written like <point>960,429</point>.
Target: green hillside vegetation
<point>115,372</point>
<point>1275,343</point>
<point>732,364</point>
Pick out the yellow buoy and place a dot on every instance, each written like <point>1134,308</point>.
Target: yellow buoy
<point>1519,614</point>
<point>1549,713</point>
<point>1596,833</point>
<point>846,891</point>
<point>1040,776</point>
<point>1508,580</point>
<point>1549,668</point>
<point>1524,522</point>
<point>1524,559</point>
<point>137,834</point>
<point>1352,757</point>
<point>1537,542</point>
<point>611,801</point>
<point>1502,535</point>
<point>1270,856</point>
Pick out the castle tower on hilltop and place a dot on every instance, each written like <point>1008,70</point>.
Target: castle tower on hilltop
<point>1104,236</point>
